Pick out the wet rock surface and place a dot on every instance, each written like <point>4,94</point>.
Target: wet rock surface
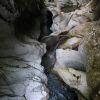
<point>21,75</point>
<point>71,57</point>
<point>92,49</point>
<point>68,58</point>
<point>65,66</point>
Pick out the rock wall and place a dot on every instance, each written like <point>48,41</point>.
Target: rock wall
<point>92,48</point>
<point>77,54</point>
<point>73,54</point>
<point>21,75</point>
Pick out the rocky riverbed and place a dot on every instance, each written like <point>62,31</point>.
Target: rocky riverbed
<point>75,34</point>
<point>64,65</point>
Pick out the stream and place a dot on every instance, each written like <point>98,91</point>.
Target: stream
<point>58,90</point>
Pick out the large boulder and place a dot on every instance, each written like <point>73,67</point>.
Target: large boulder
<point>75,79</point>
<point>21,75</point>
<point>89,51</point>
<point>91,47</point>
<point>69,59</point>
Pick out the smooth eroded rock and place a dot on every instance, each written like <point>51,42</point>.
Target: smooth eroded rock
<point>69,58</point>
<point>21,75</point>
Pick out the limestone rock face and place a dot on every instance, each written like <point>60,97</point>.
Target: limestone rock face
<point>21,75</point>
<point>79,23</point>
<point>69,5</point>
<point>67,21</point>
<point>68,58</point>
<point>89,51</point>
<point>87,57</point>
<point>92,48</point>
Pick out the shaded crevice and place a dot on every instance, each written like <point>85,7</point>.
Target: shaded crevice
<point>58,90</point>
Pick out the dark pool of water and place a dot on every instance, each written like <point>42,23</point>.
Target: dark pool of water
<point>59,90</point>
